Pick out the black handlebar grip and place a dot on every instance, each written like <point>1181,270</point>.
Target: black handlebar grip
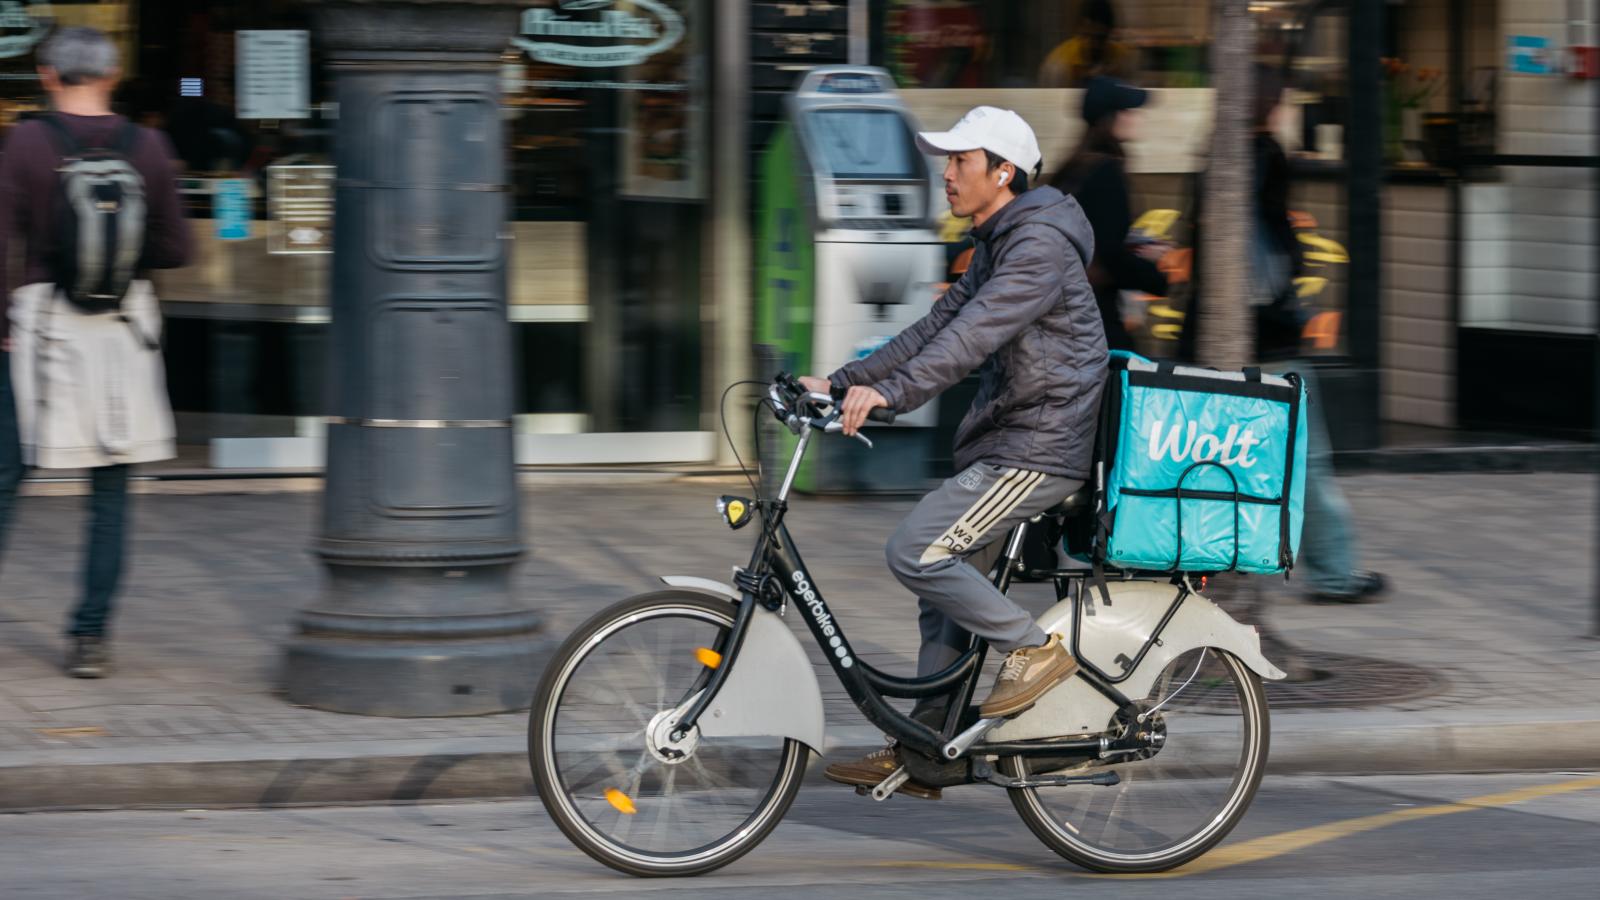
<point>881,414</point>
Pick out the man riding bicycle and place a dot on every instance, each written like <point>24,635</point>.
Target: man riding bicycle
<point>1024,316</point>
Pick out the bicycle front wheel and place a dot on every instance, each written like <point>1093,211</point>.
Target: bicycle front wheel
<point>1171,805</point>
<point>606,767</point>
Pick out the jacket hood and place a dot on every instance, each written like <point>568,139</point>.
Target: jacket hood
<point>1048,206</point>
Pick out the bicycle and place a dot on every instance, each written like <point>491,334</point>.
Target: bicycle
<point>670,732</point>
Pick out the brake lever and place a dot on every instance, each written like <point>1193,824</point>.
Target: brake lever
<point>833,426</point>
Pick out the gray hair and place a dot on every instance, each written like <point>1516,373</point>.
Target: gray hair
<point>79,54</point>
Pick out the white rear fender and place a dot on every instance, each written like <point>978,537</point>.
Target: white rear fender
<point>772,689</point>
<point>1112,638</point>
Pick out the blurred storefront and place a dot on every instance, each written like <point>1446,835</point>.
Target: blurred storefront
<point>606,108</point>
<point>1469,284</point>
<point>1444,160</point>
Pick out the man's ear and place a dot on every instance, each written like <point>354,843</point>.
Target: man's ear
<point>48,78</point>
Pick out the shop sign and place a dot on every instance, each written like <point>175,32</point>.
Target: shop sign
<point>20,29</point>
<point>1531,55</point>
<point>274,74</point>
<point>231,208</point>
<point>300,201</point>
<point>594,33</point>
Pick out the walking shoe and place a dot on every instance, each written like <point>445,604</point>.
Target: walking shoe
<point>1026,675</point>
<point>1368,586</point>
<point>87,657</point>
<point>872,769</point>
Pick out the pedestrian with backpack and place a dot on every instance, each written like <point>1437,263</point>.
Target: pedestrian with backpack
<point>93,199</point>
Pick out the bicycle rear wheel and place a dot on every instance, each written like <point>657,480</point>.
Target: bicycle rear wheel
<point>1178,802</point>
<point>603,761</point>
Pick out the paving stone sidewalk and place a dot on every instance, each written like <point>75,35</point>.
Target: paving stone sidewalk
<point>1492,580</point>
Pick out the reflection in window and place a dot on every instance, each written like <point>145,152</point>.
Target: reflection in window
<point>861,143</point>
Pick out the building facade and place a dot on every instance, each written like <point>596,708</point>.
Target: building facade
<point>631,133</point>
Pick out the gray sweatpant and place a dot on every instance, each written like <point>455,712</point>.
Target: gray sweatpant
<point>945,548</point>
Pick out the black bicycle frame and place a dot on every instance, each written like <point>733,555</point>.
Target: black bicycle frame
<point>776,556</point>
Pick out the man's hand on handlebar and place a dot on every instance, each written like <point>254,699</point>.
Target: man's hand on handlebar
<point>859,401</point>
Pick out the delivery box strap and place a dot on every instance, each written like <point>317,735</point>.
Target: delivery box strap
<point>1178,497</point>
<point>1224,496</point>
<point>1262,390</point>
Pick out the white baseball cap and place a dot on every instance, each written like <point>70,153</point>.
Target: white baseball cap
<point>1000,131</point>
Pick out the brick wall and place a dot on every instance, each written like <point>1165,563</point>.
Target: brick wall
<point>1530,235</point>
<point>1417,343</point>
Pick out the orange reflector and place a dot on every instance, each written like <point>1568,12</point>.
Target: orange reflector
<point>708,657</point>
<point>620,801</point>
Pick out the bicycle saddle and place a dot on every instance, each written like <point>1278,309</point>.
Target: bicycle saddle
<point>1076,502</point>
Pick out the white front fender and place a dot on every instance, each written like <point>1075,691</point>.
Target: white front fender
<point>1115,633</point>
<point>772,689</point>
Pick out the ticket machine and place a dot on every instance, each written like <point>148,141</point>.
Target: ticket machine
<point>847,257</point>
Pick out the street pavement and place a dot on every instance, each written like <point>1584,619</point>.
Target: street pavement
<point>1483,836</point>
<point>1492,580</point>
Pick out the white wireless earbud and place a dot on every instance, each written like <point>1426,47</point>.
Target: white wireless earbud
<point>1002,179</point>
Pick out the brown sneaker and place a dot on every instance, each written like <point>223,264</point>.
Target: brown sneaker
<point>1026,675</point>
<point>872,769</point>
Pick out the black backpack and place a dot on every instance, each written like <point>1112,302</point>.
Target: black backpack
<point>99,219</point>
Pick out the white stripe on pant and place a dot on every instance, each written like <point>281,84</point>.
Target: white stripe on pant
<point>944,549</point>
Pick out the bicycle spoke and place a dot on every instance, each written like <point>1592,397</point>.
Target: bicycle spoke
<point>628,798</point>
<point>1178,796</point>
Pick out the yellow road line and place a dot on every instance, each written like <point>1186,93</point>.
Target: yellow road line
<point>1272,845</point>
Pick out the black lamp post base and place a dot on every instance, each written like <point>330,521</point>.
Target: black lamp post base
<point>376,644</point>
<point>470,677</point>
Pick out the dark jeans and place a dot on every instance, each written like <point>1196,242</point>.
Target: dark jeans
<point>108,507</point>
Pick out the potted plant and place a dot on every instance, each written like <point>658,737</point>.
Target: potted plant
<point>1407,90</point>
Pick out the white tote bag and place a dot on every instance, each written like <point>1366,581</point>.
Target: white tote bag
<point>91,388</point>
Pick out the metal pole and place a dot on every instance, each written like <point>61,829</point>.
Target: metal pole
<point>1364,208</point>
<point>1594,189</point>
<point>420,526</point>
<point>732,339</point>
<point>859,18</point>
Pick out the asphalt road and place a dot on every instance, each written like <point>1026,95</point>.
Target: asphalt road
<point>1499,836</point>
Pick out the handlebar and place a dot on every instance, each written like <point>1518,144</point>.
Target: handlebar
<point>877,414</point>
<point>793,405</point>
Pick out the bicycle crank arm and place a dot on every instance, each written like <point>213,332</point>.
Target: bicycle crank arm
<point>963,742</point>
<point>889,785</point>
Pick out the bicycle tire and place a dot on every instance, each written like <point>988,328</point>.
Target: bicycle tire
<point>769,802</point>
<point>1069,840</point>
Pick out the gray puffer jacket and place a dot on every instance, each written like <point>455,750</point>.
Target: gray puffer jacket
<point>1025,313</point>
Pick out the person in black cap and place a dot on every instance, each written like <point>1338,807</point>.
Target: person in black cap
<point>1096,175</point>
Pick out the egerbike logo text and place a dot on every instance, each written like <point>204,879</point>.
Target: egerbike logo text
<point>819,611</point>
<point>1178,445</point>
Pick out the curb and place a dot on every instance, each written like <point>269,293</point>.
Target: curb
<point>494,768</point>
<point>1570,458</point>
